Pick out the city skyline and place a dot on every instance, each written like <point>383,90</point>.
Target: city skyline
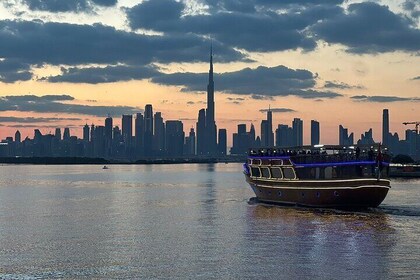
<point>121,59</point>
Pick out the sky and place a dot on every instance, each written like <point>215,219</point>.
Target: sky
<point>68,63</point>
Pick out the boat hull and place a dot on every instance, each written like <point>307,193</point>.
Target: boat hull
<point>356,193</point>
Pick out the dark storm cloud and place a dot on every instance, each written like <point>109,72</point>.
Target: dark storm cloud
<point>54,104</point>
<point>261,81</point>
<point>109,74</point>
<point>278,110</point>
<point>369,28</point>
<point>34,120</point>
<point>383,99</point>
<point>67,5</point>
<point>413,8</point>
<point>341,85</point>
<point>262,30</point>
<point>252,5</point>
<point>12,70</point>
<point>258,26</point>
<point>37,43</point>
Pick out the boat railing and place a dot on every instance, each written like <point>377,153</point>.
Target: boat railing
<point>319,156</point>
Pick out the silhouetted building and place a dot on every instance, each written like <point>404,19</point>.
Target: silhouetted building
<point>139,131</point>
<point>189,149</point>
<point>17,136</point>
<point>201,132</point>
<point>127,129</point>
<point>241,141</point>
<point>57,133</point>
<point>344,139</point>
<point>297,126</point>
<point>252,137</point>
<point>66,134</point>
<point>148,130</point>
<point>211,129</point>
<point>222,144</point>
<point>284,136</point>
<point>267,135</point>
<point>108,129</point>
<point>174,138</point>
<point>159,135</point>
<point>86,131</point>
<point>366,138</point>
<point>315,133</point>
<point>385,127</point>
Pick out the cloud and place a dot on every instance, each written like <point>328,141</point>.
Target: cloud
<point>253,25</point>
<point>54,104</point>
<point>261,82</point>
<point>67,5</point>
<point>341,85</point>
<point>38,43</point>
<point>278,110</point>
<point>383,99</point>
<point>34,120</point>
<point>261,97</point>
<point>413,9</point>
<point>109,74</point>
<point>369,28</point>
<point>12,70</point>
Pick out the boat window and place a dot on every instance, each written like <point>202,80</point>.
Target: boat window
<point>287,162</point>
<point>276,173</point>
<point>265,162</point>
<point>276,162</point>
<point>255,172</point>
<point>265,172</point>
<point>289,173</point>
<point>249,161</point>
<point>256,161</point>
<point>328,172</point>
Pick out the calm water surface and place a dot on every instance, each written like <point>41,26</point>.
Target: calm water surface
<point>191,222</point>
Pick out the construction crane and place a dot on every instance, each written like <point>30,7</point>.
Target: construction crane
<point>417,124</point>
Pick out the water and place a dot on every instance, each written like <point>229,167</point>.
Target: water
<point>191,222</point>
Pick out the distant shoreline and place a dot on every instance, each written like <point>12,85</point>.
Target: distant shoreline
<point>102,161</point>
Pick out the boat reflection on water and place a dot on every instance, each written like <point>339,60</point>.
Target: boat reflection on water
<point>333,240</point>
<point>374,219</point>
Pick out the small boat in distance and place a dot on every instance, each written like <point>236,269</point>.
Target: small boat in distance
<point>105,167</point>
<point>328,176</point>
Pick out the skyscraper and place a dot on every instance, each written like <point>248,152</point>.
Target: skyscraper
<point>127,129</point>
<point>174,138</point>
<point>222,144</point>
<point>159,134</point>
<point>66,135</point>
<point>108,129</point>
<point>315,132</point>
<point>17,136</point>
<point>211,130</point>
<point>58,133</point>
<point>284,136</point>
<point>148,130</point>
<point>297,126</point>
<point>139,134</point>
<point>385,127</point>
<point>86,130</point>
<point>189,149</point>
<point>201,132</point>
<point>343,137</point>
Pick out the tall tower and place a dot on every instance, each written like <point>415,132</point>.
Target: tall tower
<point>297,125</point>
<point>148,130</point>
<point>314,132</point>
<point>385,127</point>
<point>210,119</point>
